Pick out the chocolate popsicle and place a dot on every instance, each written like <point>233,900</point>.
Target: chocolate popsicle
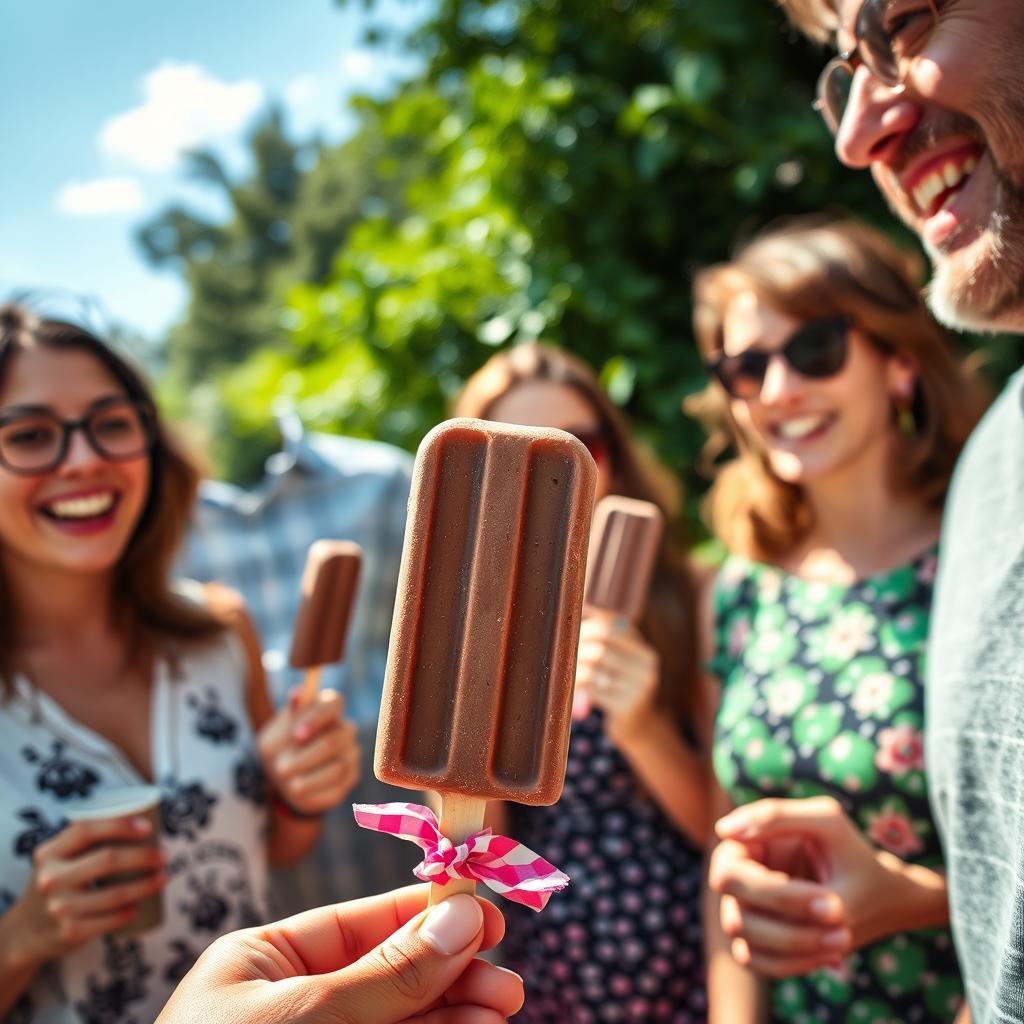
<point>623,549</point>
<point>329,584</point>
<point>478,687</point>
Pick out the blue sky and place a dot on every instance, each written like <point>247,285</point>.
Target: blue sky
<point>99,97</point>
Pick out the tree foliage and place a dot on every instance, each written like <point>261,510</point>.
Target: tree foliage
<point>558,171</point>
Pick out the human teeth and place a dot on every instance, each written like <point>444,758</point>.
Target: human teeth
<point>81,508</point>
<point>949,176</point>
<point>793,430</point>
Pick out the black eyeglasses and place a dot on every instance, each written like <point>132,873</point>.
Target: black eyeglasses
<point>38,442</point>
<point>888,32</point>
<point>815,349</point>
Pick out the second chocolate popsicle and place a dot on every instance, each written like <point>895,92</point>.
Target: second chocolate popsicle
<point>329,584</point>
<point>478,687</point>
<point>623,550</point>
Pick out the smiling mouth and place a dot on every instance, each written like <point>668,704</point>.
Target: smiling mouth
<point>801,427</point>
<point>937,190</point>
<point>95,506</point>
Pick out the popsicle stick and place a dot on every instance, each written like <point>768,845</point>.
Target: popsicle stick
<point>461,816</point>
<point>310,685</point>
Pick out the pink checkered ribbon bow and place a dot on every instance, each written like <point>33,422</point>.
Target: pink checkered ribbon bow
<point>500,863</point>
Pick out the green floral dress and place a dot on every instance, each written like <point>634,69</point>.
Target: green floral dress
<point>822,693</point>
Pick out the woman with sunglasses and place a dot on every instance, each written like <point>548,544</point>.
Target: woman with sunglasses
<point>847,409</point>
<point>624,938</point>
<point>113,677</point>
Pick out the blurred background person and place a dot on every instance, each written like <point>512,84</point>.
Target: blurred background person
<point>847,408</point>
<point>112,676</point>
<point>255,540</point>
<point>633,816</point>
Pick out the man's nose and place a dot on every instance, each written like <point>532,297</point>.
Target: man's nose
<point>876,120</point>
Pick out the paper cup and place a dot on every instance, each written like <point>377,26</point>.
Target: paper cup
<point>128,802</point>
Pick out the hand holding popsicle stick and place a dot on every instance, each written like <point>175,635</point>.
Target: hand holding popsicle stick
<point>478,688</point>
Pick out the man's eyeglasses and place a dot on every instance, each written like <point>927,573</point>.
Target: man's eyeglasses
<point>815,349</point>
<point>887,33</point>
<point>38,442</point>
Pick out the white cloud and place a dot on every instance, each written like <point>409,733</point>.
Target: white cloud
<point>357,65</point>
<point>100,197</point>
<point>184,107</point>
<point>301,91</point>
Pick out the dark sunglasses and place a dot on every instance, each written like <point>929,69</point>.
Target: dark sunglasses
<point>816,349</point>
<point>888,32</point>
<point>37,442</point>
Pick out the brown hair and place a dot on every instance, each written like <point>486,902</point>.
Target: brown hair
<point>148,613</point>
<point>811,268</point>
<point>669,620</point>
<point>818,19</point>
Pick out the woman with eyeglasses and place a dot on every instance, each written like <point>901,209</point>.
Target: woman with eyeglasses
<point>114,678</point>
<point>623,942</point>
<point>847,409</point>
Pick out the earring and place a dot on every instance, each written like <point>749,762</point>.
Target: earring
<point>905,419</point>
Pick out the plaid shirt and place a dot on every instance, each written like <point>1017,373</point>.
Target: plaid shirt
<point>319,486</point>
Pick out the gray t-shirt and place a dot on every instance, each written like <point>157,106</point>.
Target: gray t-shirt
<point>975,709</point>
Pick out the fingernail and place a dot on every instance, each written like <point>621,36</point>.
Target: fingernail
<point>301,734</point>
<point>826,907</point>
<point>838,939</point>
<point>452,925</point>
<point>732,825</point>
<point>142,825</point>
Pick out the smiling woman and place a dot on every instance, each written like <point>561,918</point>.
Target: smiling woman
<point>848,408</point>
<point>111,674</point>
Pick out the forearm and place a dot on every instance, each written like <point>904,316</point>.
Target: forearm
<point>290,838</point>
<point>736,995</point>
<point>17,968</point>
<point>673,773</point>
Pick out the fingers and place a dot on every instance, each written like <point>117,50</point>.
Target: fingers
<point>95,865</point>
<point>335,745</point>
<point>821,817</point>
<point>109,899</point>
<point>410,970</point>
<point>80,835</point>
<point>329,938</point>
<point>482,984</point>
<point>322,713</point>
<point>765,936</point>
<point>733,872</point>
<point>75,931</point>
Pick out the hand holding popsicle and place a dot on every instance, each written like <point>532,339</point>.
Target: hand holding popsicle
<point>310,753</point>
<point>378,960</point>
<point>617,671</point>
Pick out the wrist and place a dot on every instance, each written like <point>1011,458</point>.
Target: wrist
<point>287,810</point>
<point>904,897</point>
<point>633,733</point>
<point>17,953</point>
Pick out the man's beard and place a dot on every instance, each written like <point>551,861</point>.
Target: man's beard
<point>984,290</point>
